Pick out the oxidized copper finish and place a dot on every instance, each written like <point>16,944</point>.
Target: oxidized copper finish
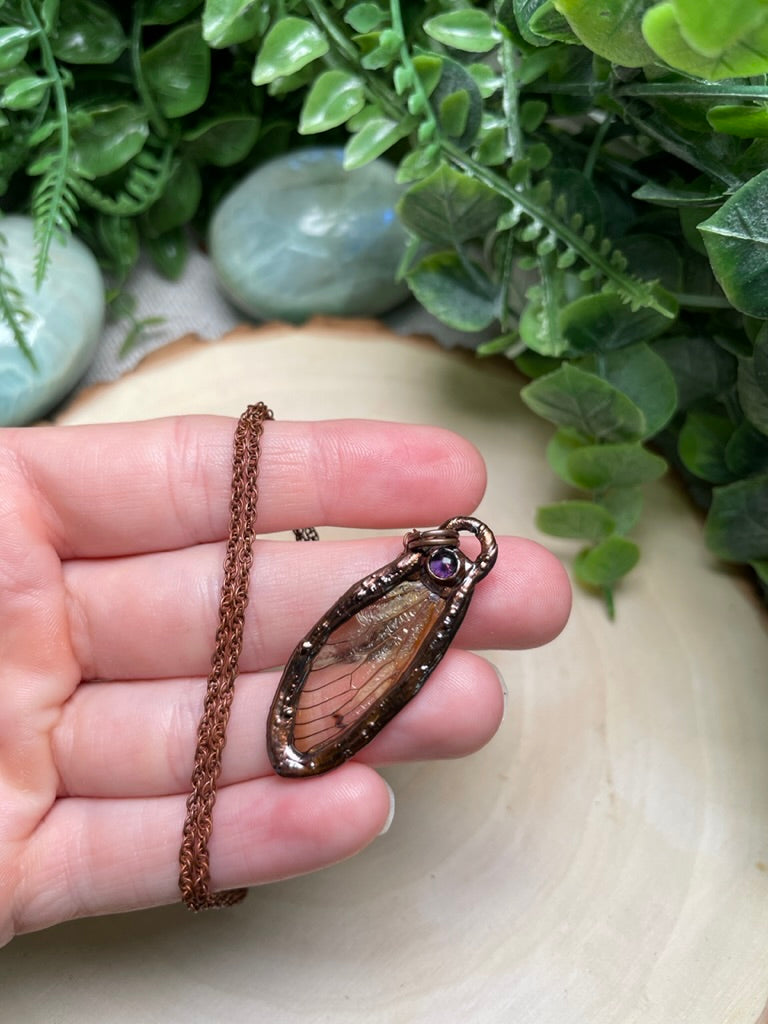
<point>374,649</point>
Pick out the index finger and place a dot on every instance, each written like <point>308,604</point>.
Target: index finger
<point>163,484</point>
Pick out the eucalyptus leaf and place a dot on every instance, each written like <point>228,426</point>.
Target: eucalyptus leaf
<point>444,286</point>
<point>699,365</point>
<point>598,323</point>
<point>582,520</point>
<point>572,397</point>
<point>753,394</point>
<point>607,562</point>
<point>642,375</point>
<point>702,445</point>
<point>449,207</point>
<point>737,523</point>
<point>603,466</point>
<point>746,452</point>
<point>559,450</point>
<point>625,504</point>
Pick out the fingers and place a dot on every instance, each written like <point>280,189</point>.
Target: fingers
<point>138,739</point>
<point>155,616</point>
<point>163,484</point>
<point>93,857</point>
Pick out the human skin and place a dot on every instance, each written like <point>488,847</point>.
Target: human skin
<point>111,548</point>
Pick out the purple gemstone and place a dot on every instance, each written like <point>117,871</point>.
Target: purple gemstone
<point>444,563</point>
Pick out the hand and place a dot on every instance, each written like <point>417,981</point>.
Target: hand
<point>111,548</point>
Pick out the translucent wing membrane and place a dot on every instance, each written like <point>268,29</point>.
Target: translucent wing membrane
<point>374,650</point>
<point>362,659</point>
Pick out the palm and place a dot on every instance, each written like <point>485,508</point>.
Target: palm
<point>111,542</point>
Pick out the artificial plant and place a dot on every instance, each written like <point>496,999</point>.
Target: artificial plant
<point>584,181</point>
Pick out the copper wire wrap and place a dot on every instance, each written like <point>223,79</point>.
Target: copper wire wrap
<point>194,859</point>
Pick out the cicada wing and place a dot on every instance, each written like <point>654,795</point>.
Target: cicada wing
<point>362,660</point>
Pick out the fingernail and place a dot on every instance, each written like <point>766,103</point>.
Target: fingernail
<point>391,813</point>
<point>504,688</point>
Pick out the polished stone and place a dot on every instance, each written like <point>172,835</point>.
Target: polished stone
<point>67,315</point>
<point>301,236</point>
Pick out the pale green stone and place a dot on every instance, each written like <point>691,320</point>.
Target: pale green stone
<point>65,327</point>
<point>301,236</point>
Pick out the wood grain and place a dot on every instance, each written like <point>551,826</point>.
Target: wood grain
<point>604,860</point>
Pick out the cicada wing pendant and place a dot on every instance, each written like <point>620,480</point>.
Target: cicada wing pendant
<point>374,649</point>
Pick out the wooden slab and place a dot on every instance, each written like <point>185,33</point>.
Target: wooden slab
<point>603,861</point>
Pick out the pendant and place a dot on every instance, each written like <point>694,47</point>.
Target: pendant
<point>374,649</point>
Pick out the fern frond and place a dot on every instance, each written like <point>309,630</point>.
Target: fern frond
<point>13,309</point>
<point>54,209</point>
<point>145,182</point>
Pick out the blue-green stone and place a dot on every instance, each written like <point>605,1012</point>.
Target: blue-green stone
<point>301,236</point>
<point>67,315</point>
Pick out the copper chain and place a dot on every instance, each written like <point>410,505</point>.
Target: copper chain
<point>194,859</point>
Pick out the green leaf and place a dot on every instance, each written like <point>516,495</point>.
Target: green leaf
<point>444,286</point>
<point>753,394</point>
<point>709,27</point>
<point>598,467</point>
<point>548,24</point>
<point>583,520</point>
<point>24,93</point>
<point>742,120</point>
<point>179,202</point>
<point>108,138</point>
<point>737,524</point>
<point>739,53</point>
<point>559,450</point>
<point>736,238</point>
<point>450,207</point>
<point>418,164</point>
<point>625,505</point>
<point>598,323</point>
<point>166,12</point>
<point>364,17</point>
<point>228,22</point>
<point>453,112</point>
<point>169,253</point>
<point>644,377</point>
<point>87,32</point>
<point>613,32</point>
<point>606,563</point>
<point>747,451</point>
<point>332,100</point>
<point>377,136</point>
<point>571,397</point>
<point>14,43</point>
<point>470,30</point>
<point>699,365</point>
<point>224,140</point>
<point>177,69</point>
<point>515,16</point>
<point>290,45</point>
<point>701,446</point>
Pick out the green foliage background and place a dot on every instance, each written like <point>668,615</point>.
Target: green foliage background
<point>587,180</point>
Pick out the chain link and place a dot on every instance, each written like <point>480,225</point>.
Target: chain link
<point>194,858</point>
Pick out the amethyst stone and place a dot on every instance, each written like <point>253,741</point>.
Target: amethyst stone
<point>444,563</point>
